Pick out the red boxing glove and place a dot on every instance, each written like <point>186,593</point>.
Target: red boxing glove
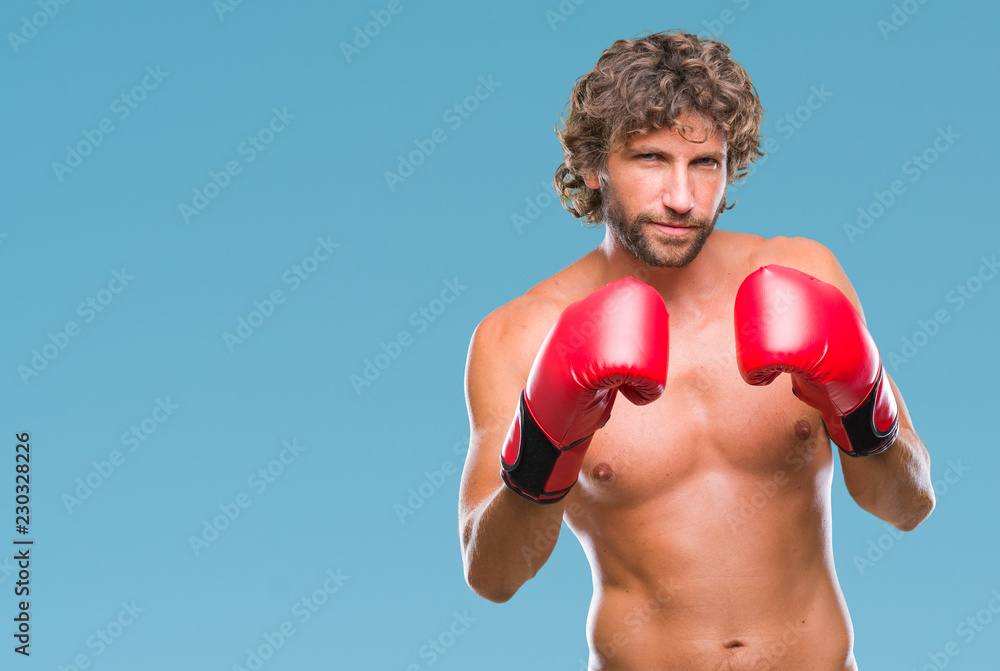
<point>788,321</point>
<point>615,338</point>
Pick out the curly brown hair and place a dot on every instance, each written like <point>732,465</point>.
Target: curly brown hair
<point>644,84</point>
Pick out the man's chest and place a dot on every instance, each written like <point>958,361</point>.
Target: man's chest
<point>707,419</point>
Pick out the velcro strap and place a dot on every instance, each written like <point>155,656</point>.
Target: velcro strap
<point>859,425</point>
<point>536,459</point>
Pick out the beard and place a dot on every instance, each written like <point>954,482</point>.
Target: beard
<point>648,245</point>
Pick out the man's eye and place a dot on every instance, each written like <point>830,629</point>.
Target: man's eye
<point>708,161</point>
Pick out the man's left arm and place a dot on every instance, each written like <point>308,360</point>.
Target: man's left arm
<point>895,484</point>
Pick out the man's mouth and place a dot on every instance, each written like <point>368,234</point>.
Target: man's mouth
<point>674,228</point>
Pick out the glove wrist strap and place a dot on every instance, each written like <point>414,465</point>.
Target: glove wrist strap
<point>860,424</point>
<point>541,471</point>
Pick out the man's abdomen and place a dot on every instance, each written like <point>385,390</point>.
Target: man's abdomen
<point>684,581</point>
<point>645,629</point>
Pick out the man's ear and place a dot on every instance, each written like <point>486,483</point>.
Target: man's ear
<point>590,179</point>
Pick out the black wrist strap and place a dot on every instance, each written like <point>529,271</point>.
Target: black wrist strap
<point>536,459</point>
<point>859,425</point>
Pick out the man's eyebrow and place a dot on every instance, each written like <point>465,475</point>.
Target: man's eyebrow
<point>645,149</point>
<point>650,149</point>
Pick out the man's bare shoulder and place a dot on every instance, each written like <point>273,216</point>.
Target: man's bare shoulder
<point>809,256</point>
<point>529,317</point>
<point>517,329</point>
<point>501,352</point>
<point>521,323</point>
<point>800,253</point>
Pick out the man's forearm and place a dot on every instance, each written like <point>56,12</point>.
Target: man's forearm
<point>895,485</point>
<point>506,540</point>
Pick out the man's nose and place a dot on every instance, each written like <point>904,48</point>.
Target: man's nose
<point>677,194</point>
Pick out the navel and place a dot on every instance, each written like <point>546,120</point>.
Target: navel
<point>602,472</point>
<point>802,429</point>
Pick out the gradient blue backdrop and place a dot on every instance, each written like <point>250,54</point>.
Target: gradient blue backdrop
<point>224,69</point>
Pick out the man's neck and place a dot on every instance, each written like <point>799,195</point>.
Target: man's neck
<point>688,285</point>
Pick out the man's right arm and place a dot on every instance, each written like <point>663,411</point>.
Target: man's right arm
<point>505,538</point>
<point>614,339</point>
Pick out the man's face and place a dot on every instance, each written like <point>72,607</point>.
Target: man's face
<point>664,193</point>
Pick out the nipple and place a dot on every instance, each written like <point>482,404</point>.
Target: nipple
<point>602,472</point>
<point>802,429</point>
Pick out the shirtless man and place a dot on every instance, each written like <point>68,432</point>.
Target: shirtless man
<point>701,499</point>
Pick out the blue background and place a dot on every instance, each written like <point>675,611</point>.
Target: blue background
<point>334,506</point>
